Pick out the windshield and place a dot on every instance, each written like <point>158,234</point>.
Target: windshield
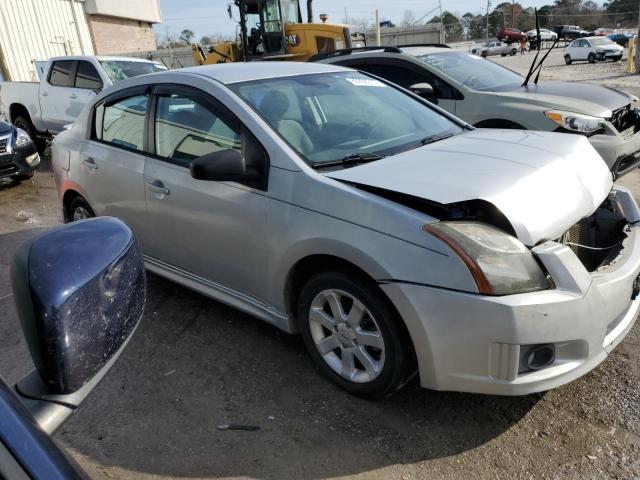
<point>600,41</point>
<point>334,116</point>
<point>472,71</point>
<point>119,70</point>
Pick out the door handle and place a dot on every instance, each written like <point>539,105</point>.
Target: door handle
<point>158,187</point>
<point>90,163</point>
<point>73,96</point>
<point>44,94</point>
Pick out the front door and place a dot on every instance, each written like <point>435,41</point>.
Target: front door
<point>213,230</point>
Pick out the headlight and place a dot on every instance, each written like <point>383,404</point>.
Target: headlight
<point>575,122</point>
<point>499,263</point>
<point>22,138</point>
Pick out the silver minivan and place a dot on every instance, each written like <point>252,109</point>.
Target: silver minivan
<point>392,236</point>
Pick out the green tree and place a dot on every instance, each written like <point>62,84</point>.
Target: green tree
<point>452,26</point>
<point>186,36</point>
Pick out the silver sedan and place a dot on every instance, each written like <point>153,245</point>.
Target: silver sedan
<point>391,235</point>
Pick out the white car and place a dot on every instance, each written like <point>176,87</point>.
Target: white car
<point>545,35</point>
<point>496,48</point>
<point>592,49</point>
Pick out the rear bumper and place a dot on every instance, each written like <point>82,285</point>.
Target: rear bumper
<point>475,343</point>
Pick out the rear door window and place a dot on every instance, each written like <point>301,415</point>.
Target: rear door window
<point>87,76</point>
<point>406,77</point>
<point>121,122</point>
<point>61,73</point>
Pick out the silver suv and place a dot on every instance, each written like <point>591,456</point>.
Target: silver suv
<point>392,236</point>
<point>488,95</point>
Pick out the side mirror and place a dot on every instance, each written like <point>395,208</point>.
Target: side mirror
<point>224,165</point>
<point>80,293</point>
<point>425,91</point>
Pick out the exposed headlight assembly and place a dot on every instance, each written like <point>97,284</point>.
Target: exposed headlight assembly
<point>575,122</point>
<point>499,263</point>
<point>22,138</point>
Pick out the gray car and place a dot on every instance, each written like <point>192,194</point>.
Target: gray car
<point>392,236</point>
<point>488,95</point>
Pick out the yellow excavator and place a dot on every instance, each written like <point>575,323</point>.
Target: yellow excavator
<point>274,30</point>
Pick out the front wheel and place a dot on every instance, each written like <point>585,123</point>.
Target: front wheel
<point>353,336</point>
<point>79,209</point>
<point>592,58</point>
<point>567,59</point>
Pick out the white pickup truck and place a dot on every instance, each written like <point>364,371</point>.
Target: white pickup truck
<point>66,86</point>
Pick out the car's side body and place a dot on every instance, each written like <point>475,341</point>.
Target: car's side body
<point>516,107</point>
<point>510,35</point>
<point>545,35</point>
<point>495,48</point>
<point>254,246</point>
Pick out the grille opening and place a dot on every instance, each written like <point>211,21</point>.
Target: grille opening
<point>597,240</point>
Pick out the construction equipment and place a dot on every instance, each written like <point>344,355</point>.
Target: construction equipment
<point>274,30</point>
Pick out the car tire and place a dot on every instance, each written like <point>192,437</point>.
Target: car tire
<point>513,52</point>
<point>567,59</point>
<point>483,54</point>
<point>23,122</point>
<point>592,58</point>
<point>78,209</point>
<point>372,358</point>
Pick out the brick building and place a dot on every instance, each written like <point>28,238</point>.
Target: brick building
<point>33,31</point>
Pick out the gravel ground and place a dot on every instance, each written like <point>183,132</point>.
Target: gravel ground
<point>195,364</point>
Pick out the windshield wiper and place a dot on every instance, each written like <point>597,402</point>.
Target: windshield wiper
<point>538,67</point>
<point>364,157</point>
<point>432,139</point>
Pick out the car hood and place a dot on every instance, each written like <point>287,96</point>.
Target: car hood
<point>542,182</point>
<point>574,97</point>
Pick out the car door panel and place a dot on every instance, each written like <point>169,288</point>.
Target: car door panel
<point>212,229</point>
<point>54,95</point>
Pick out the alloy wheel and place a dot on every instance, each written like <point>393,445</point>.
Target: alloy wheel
<point>81,213</point>
<point>347,336</point>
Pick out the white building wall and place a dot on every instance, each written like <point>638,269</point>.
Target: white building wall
<point>142,10</point>
<point>36,30</point>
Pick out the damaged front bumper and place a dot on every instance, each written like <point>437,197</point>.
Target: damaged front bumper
<point>480,344</point>
<point>620,149</point>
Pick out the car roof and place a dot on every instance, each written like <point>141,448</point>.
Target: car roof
<point>228,73</point>
<point>101,58</point>
<point>416,51</point>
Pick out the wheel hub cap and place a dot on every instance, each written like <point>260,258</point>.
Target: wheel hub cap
<point>347,336</point>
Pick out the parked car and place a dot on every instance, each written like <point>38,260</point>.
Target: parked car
<point>490,96</point>
<point>603,32</point>
<point>510,35</point>
<point>18,154</point>
<point>495,48</point>
<point>570,32</point>
<point>79,291</point>
<point>392,235</point>
<point>545,35</point>
<point>621,39</point>
<point>43,109</point>
<point>592,49</point>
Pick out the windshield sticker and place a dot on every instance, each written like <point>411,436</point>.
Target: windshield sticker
<point>365,82</point>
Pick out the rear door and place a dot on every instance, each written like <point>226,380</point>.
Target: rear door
<point>111,162</point>
<point>207,229</point>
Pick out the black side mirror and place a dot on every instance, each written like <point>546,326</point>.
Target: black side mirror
<point>424,90</point>
<point>80,293</point>
<point>224,165</point>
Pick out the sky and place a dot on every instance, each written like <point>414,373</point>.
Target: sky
<point>206,17</point>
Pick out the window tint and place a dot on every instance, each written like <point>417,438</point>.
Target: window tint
<point>60,75</point>
<point>122,122</point>
<point>406,78</point>
<point>87,76</point>
<point>186,129</point>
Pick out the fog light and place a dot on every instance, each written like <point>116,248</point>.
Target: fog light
<point>33,160</point>
<point>536,357</point>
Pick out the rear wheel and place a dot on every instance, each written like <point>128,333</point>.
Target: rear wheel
<point>592,57</point>
<point>483,54</point>
<point>79,209</point>
<point>567,59</point>
<point>513,52</point>
<point>353,336</point>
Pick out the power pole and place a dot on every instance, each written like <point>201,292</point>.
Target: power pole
<point>442,35</point>
<point>378,27</point>
<point>488,6</point>
<point>513,13</point>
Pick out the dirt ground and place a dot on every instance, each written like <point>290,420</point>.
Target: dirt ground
<point>195,364</point>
